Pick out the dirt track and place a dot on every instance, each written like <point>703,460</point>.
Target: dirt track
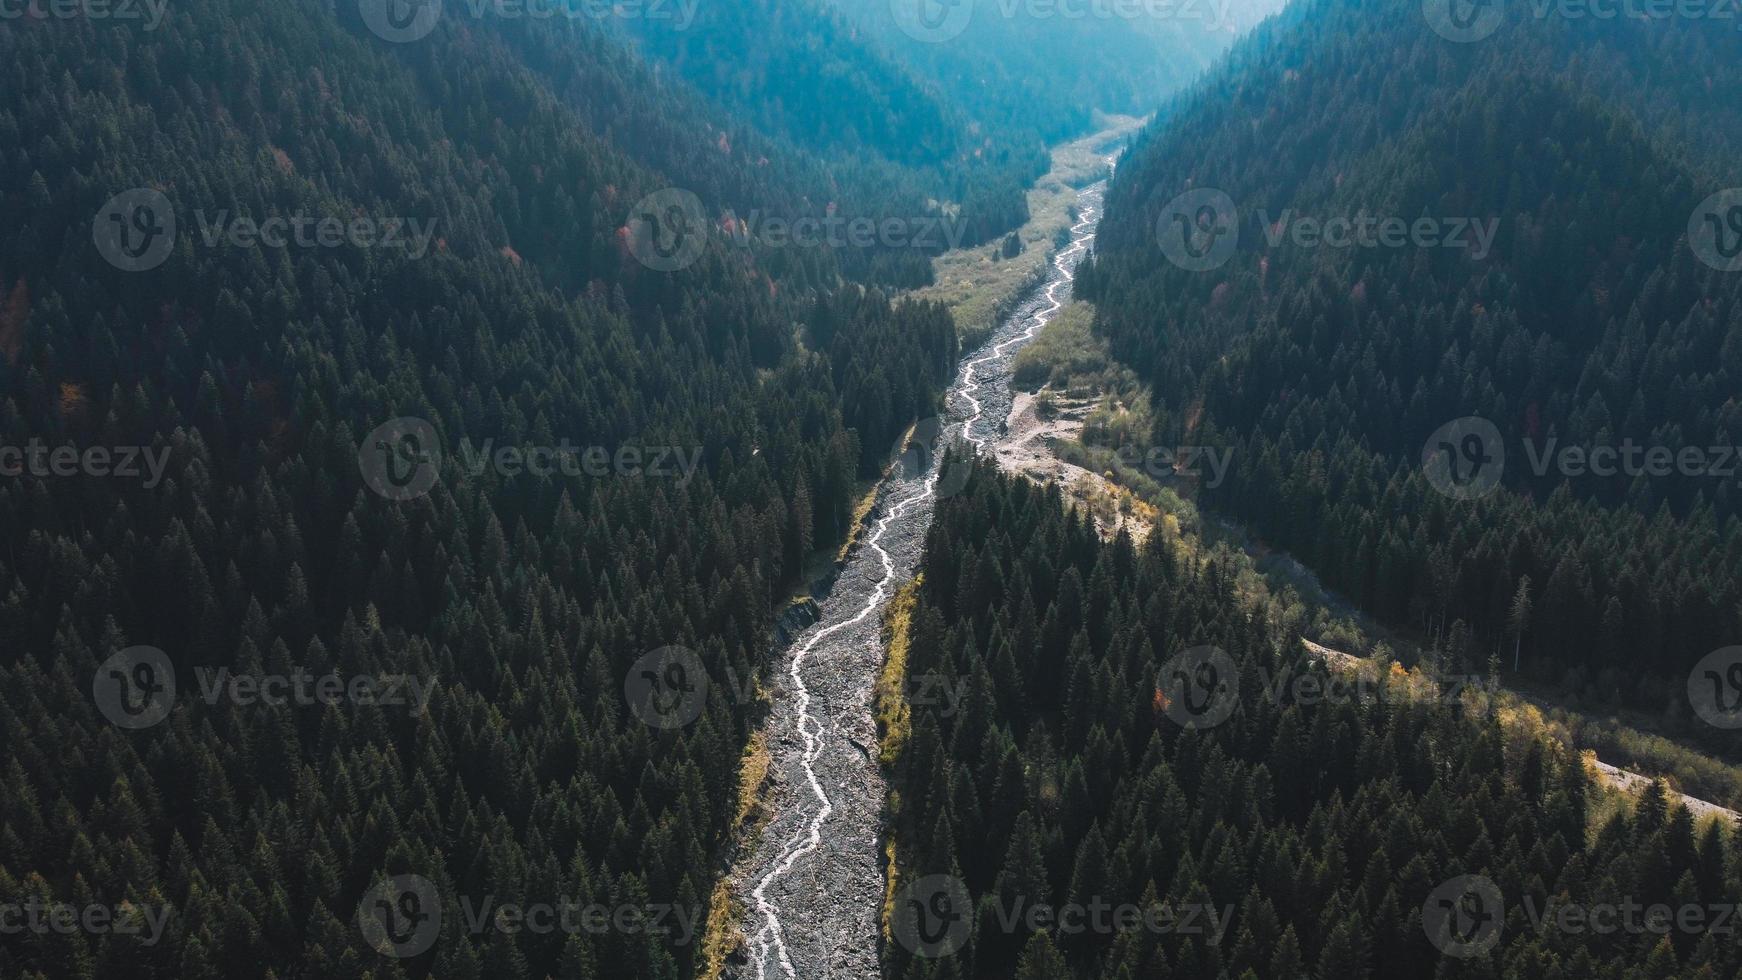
<point>1631,783</point>
<point>1027,450</point>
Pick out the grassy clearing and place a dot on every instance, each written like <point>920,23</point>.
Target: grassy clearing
<point>1069,361</point>
<point>751,774</point>
<point>1070,367</point>
<point>860,509</point>
<point>1523,723</point>
<point>722,935</point>
<point>1686,770</point>
<point>1068,357</point>
<point>976,284</point>
<point>894,718</point>
<point>892,884</point>
<point>893,713</point>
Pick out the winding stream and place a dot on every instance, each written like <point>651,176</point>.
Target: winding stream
<point>814,877</point>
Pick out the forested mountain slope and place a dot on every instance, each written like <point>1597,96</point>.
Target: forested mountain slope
<point>802,73</point>
<point>1041,67</point>
<point>745,161</point>
<point>1137,736</point>
<point>1565,295</point>
<point>258,376</point>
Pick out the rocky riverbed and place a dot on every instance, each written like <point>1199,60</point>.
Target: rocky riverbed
<point>812,882</point>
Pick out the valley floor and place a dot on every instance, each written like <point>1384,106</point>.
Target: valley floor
<point>807,890</point>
